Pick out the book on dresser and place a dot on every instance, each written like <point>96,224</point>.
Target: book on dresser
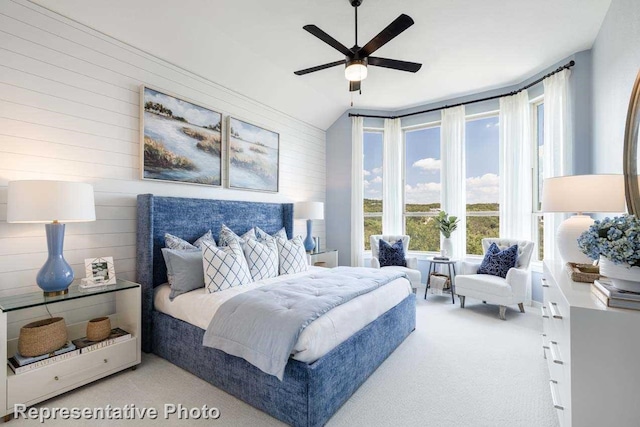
<point>613,297</point>
<point>117,335</point>
<point>21,364</point>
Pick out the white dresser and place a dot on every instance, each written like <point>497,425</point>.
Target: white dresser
<point>593,354</point>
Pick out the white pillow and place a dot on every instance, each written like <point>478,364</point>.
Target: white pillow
<point>293,257</point>
<point>224,267</point>
<point>262,258</point>
<point>227,235</point>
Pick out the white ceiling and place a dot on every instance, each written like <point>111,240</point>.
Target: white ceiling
<point>254,46</point>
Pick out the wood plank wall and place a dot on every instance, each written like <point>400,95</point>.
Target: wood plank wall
<point>69,110</point>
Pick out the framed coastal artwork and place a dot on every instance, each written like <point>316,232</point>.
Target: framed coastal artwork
<point>181,141</point>
<point>254,156</point>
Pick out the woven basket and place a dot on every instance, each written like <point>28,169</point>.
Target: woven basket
<point>585,273</point>
<point>98,329</point>
<point>42,337</point>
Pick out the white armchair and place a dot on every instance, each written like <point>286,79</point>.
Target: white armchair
<point>412,263</point>
<point>493,289</point>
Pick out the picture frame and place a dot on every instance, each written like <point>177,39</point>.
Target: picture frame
<point>180,139</point>
<point>253,157</point>
<point>100,270</point>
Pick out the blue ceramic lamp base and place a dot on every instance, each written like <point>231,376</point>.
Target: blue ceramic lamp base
<point>309,244</point>
<point>56,274</point>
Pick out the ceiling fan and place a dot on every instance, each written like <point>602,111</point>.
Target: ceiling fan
<point>358,58</point>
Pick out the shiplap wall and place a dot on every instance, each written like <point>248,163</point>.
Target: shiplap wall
<point>69,110</point>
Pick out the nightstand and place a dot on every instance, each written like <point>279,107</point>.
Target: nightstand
<point>121,302</point>
<point>329,258</point>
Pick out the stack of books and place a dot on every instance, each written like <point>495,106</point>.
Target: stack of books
<point>21,364</point>
<point>86,346</point>
<point>614,297</point>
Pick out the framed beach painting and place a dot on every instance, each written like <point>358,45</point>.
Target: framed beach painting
<point>254,156</point>
<point>181,141</point>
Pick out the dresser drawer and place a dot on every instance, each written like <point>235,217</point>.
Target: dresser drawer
<point>32,387</point>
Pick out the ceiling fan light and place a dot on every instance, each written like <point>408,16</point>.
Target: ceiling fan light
<point>356,71</point>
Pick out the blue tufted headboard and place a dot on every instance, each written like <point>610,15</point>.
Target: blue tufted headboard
<point>190,219</point>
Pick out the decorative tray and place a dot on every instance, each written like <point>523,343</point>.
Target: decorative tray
<point>586,273</point>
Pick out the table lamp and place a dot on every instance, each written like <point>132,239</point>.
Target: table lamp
<point>52,203</point>
<point>309,211</point>
<point>579,194</point>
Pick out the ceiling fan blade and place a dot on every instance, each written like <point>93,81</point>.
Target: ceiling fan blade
<point>318,68</point>
<point>400,24</point>
<point>354,86</point>
<point>329,40</point>
<point>395,64</point>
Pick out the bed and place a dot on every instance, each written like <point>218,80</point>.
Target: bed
<point>311,392</point>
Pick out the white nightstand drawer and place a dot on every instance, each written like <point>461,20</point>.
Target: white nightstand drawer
<point>40,384</point>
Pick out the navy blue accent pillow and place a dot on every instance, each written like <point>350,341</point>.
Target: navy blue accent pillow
<point>497,262</point>
<point>391,254</point>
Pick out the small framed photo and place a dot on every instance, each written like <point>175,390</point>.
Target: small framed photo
<point>100,270</point>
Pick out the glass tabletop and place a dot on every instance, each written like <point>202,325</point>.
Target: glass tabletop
<point>34,299</point>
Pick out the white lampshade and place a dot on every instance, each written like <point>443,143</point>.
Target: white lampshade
<point>41,201</point>
<point>309,210</point>
<point>578,194</point>
<point>584,193</point>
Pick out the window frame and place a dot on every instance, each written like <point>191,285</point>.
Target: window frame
<point>371,214</point>
<point>473,117</point>
<point>405,214</point>
<point>536,203</point>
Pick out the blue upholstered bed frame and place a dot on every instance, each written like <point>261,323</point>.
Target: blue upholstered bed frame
<point>310,392</point>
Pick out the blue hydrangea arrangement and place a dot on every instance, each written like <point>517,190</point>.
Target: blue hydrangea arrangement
<point>617,239</point>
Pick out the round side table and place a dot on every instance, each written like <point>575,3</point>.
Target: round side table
<point>451,265</point>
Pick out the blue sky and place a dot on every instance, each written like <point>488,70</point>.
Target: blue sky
<point>422,179</point>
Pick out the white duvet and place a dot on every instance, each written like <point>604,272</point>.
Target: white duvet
<point>320,337</point>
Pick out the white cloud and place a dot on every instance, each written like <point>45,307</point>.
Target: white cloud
<point>483,189</point>
<point>429,164</point>
<point>376,171</point>
<point>376,180</point>
<point>366,172</point>
<point>423,192</point>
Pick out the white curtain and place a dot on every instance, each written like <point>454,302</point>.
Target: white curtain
<point>357,210</point>
<point>392,178</point>
<point>515,167</point>
<point>557,152</point>
<point>453,172</point>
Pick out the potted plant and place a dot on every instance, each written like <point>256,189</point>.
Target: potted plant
<point>616,243</point>
<point>447,225</point>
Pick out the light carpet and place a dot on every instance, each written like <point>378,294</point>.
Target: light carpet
<point>460,367</point>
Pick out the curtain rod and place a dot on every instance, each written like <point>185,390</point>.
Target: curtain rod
<point>489,98</point>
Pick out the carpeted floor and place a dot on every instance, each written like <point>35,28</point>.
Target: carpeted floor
<point>460,367</point>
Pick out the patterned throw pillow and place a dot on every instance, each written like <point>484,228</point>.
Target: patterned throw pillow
<point>263,235</point>
<point>262,258</point>
<point>206,237</point>
<point>175,242</point>
<point>224,267</point>
<point>227,234</point>
<point>497,262</point>
<point>293,257</point>
<point>391,254</point>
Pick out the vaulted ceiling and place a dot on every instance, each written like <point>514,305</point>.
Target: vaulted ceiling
<point>254,46</point>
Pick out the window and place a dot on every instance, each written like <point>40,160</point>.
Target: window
<point>538,175</point>
<point>482,146</point>
<point>422,187</point>
<point>372,180</point>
